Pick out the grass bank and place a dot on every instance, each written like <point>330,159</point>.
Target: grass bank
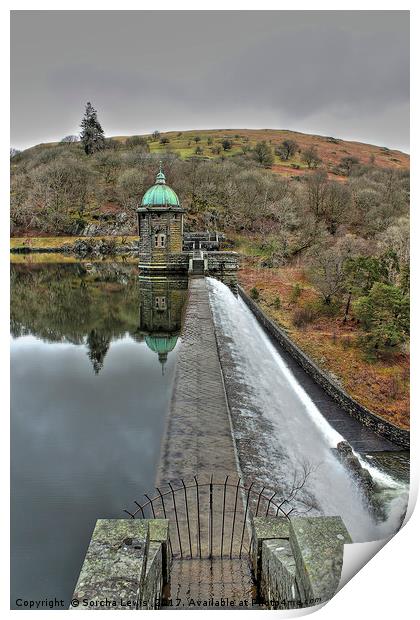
<point>50,243</point>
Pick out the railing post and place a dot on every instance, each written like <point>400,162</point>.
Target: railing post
<point>211,517</point>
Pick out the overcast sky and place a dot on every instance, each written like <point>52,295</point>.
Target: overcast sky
<point>334,73</point>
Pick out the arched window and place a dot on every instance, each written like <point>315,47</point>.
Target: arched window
<point>160,303</point>
<point>160,240</point>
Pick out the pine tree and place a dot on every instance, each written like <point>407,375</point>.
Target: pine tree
<point>92,135</point>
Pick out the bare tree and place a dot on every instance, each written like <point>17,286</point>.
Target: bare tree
<point>131,185</point>
<point>311,158</point>
<point>287,149</point>
<point>70,139</point>
<point>298,498</point>
<point>14,152</point>
<point>327,266</point>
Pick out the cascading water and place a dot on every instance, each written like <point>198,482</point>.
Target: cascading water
<point>280,432</point>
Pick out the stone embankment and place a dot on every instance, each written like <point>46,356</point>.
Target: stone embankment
<point>83,248</point>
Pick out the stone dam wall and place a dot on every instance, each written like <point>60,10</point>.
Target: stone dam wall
<point>380,426</point>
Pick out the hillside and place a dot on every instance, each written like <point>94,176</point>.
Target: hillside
<point>331,149</point>
<point>324,245</point>
<point>58,190</point>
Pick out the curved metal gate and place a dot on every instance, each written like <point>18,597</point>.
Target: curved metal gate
<point>210,519</point>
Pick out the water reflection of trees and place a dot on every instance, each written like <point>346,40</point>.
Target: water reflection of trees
<point>77,303</point>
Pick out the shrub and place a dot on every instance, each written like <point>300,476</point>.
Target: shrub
<point>287,149</point>
<point>395,387</point>
<point>136,141</point>
<point>296,293</point>
<point>303,316</point>
<point>255,293</point>
<point>277,303</point>
<point>264,154</point>
<point>226,144</point>
<point>311,158</point>
<point>384,315</point>
<point>346,343</point>
<point>111,144</point>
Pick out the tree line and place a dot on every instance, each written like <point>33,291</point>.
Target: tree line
<point>351,236</point>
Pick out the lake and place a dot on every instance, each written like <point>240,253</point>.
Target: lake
<point>93,350</point>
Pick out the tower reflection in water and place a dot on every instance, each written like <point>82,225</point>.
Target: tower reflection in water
<point>162,303</point>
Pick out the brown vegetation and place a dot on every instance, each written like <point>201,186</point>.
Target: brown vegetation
<point>381,385</point>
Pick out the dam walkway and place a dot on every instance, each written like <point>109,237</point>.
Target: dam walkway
<point>199,435</point>
<point>199,441</point>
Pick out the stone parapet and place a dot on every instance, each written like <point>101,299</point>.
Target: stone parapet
<point>126,565</point>
<point>297,562</point>
<point>222,261</point>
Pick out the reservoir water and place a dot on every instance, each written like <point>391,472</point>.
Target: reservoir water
<point>93,352</point>
<point>92,362</point>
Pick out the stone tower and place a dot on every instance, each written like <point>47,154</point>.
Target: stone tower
<point>160,219</point>
<point>162,301</point>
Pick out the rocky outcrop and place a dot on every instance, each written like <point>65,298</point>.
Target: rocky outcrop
<point>348,458</point>
<point>98,247</point>
<point>117,224</point>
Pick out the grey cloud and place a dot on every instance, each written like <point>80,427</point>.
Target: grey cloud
<point>333,72</point>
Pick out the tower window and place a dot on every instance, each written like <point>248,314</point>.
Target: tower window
<point>160,303</point>
<point>160,240</point>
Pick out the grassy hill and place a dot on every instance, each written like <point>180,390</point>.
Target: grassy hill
<point>331,149</point>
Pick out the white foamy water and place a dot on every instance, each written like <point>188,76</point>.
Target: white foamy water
<point>298,432</point>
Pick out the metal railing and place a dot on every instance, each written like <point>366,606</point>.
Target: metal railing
<point>212,518</point>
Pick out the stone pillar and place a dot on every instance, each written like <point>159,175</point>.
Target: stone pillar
<point>317,544</point>
<point>159,534</point>
<point>265,528</point>
<point>297,562</point>
<point>114,565</point>
<point>126,565</point>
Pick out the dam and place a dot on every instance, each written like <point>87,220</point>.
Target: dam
<point>240,410</point>
<point>188,383</point>
<point>157,392</point>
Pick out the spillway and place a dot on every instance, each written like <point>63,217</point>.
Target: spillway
<point>283,440</point>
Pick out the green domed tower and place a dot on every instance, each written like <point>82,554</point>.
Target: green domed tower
<point>161,223</point>
<point>162,301</point>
